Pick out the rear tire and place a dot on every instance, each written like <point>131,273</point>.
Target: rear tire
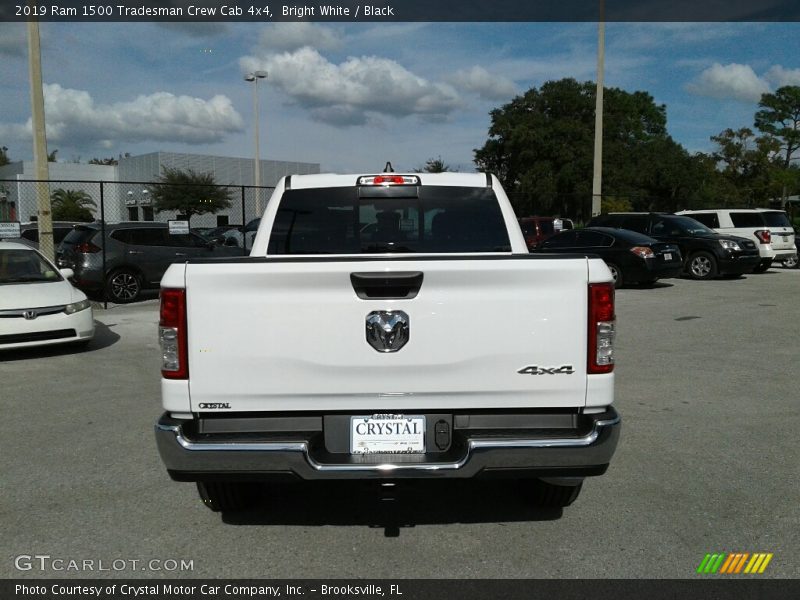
<point>225,496</point>
<point>762,267</point>
<point>702,265</point>
<point>550,495</point>
<point>616,273</point>
<point>790,263</point>
<point>123,286</point>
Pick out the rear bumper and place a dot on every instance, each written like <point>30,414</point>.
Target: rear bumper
<point>580,452</point>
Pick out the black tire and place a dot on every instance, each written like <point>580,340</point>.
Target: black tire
<point>123,286</point>
<point>616,273</point>
<point>550,495</point>
<point>790,263</point>
<point>762,267</point>
<point>225,496</point>
<point>702,266</point>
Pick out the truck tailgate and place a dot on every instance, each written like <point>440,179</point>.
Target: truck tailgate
<point>268,335</point>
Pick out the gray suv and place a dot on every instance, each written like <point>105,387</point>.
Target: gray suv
<point>136,256</point>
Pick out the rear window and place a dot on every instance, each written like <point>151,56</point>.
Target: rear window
<point>338,221</point>
<point>742,219</point>
<point>776,219</point>
<point>79,235</point>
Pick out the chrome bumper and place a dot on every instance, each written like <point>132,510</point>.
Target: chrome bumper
<point>588,454</point>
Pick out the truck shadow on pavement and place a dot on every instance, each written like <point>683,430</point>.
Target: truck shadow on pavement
<point>392,507</point>
<point>103,338</point>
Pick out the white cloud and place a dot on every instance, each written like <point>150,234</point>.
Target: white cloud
<point>488,86</point>
<point>355,91</point>
<point>280,37</point>
<point>73,117</point>
<point>781,76</point>
<point>732,81</point>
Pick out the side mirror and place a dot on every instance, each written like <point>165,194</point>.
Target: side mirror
<point>67,273</point>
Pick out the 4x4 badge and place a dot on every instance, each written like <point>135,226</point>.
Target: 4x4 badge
<point>534,370</point>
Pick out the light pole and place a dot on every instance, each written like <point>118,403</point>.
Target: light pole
<point>254,77</point>
<point>597,179</point>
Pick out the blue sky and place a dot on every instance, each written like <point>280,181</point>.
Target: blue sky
<point>351,96</point>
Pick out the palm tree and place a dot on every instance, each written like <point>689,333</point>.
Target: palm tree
<point>71,205</point>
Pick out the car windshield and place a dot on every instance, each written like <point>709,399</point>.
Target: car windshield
<point>25,266</point>
<point>691,226</point>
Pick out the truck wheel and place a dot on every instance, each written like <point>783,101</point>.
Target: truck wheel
<point>550,495</point>
<point>123,286</point>
<point>702,265</point>
<point>224,496</point>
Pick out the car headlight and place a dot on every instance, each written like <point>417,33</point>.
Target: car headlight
<point>71,309</point>
<point>729,245</point>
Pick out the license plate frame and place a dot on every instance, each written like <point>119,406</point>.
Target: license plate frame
<point>389,434</point>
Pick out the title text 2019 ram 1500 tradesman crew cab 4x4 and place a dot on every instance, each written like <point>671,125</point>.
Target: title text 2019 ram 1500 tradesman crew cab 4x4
<point>387,326</point>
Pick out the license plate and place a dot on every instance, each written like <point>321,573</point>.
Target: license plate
<point>387,434</point>
<point>667,256</point>
<point>786,238</point>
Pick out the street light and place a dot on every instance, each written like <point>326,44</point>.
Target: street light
<point>254,77</point>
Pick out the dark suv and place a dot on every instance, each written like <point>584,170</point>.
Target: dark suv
<point>706,253</point>
<point>137,255</point>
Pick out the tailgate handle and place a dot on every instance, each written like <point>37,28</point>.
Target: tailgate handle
<point>395,286</point>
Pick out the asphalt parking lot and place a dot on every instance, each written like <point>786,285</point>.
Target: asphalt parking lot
<point>708,462</point>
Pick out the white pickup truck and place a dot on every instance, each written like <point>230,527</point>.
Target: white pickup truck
<point>387,326</point>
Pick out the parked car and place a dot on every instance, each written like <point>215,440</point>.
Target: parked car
<point>29,232</point>
<point>136,254</point>
<point>226,235</point>
<point>631,257</point>
<point>750,223</point>
<point>784,237</point>
<point>705,253</point>
<point>38,305</point>
<point>538,229</point>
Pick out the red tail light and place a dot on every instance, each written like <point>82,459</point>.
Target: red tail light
<point>87,248</point>
<point>601,328</point>
<point>172,334</point>
<point>643,252</point>
<point>764,236</point>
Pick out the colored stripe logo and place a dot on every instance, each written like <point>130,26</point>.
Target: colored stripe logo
<point>734,563</point>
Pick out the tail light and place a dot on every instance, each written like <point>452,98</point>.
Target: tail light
<point>643,252</point>
<point>764,236</point>
<point>601,328</point>
<point>87,248</point>
<point>172,334</point>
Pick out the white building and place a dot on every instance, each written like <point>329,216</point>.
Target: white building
<point>123,187</point>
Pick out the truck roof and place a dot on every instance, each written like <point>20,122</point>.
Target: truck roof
<point>349,180</point>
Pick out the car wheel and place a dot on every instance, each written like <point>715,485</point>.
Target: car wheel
<point>762,267</point>
<point>123,286</point>
<point>550,495</point>
<point>616,273</point>
<point>702,265</point>
<point>790,263</point>
<point>224,496</point>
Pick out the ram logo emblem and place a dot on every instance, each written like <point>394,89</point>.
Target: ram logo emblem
<point>387,330</point>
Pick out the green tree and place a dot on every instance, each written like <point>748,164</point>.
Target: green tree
<point>52,156</point>
<point>104,161</point>
<point>4,160</point>
<point>747,165</point>
<point>71,205</point>
<point>779,118</point>
<point>188,193</point>
<point>541,147</point>
<point>434,165</point>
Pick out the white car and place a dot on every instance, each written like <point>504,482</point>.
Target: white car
<point>744,222</point>
<point>38,305</point>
